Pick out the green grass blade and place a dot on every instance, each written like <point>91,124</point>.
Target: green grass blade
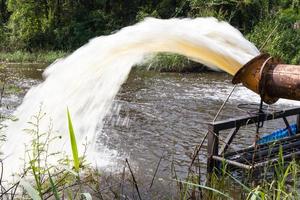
<point>207,188</point>
<point>87,196</point>
<point>73,143</point>
<point>244,186</point>
<point>35,175</point>
<point>33,193</point>
<point>70,170</point>
<point>53,187</point>
<point>255,194</point>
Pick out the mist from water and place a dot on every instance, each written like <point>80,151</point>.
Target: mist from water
<point>88,80</point>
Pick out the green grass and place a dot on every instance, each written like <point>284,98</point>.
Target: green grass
<point>277,181</point>
<point>161,62</point>
<point>73,143</point>
<point>35,57</point>
<point>168,62</point>
<point>32,192</point>
<point>53,187</point>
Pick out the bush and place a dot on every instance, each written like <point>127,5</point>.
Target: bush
<point>36,57</point>
<point>3,38</point>
<point>168,62</point>
<point>283,43</point>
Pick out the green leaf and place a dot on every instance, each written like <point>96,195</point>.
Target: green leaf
<point>87,196</point>
<point>33,193</point>
<point>69,170</point>
<point>256,194</point>
<point>207,188</point>
<point>73,143</point>
<point>244,186</point>
<point>53,187</point>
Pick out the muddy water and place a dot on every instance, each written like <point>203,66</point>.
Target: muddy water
<point>156,114</point>
<point>166,114</point>
<point>17,80</point>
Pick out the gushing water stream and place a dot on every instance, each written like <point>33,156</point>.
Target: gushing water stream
<point>87,81</point>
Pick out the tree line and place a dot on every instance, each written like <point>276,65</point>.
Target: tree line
<point>32,25</point>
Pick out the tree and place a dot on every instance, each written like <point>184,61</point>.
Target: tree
<point>4,15</point>
<point>28,23</point>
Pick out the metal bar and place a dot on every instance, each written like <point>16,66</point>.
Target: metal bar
<point>228,140</point>
<point>212,148</point>
<point>261,164</point>
<point>232,123</point>
<point>205,136</point>
<point>263,146</point>
<point>273,151</point>
<point>267,152</point>
<point>287,126</point>
<point>248,167</point>
<point>298,122</point>
<point>231,162</point>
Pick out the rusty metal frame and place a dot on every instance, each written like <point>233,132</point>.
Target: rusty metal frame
<point>216,154</point>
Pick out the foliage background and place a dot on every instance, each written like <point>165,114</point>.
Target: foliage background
<point>64,25</point>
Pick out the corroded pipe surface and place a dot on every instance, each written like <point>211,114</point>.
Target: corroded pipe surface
<point>283,81</point>
<point>270,79</point>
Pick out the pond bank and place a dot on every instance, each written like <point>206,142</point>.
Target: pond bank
<point>32,58</point>
<point>162,62</point>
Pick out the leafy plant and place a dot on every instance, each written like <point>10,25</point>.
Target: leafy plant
<point>53,187</point>
<point>33,193</point>
<point>167,62</point>
<point>73,143</point>
<point>204,187</point>
<point>285,43</point>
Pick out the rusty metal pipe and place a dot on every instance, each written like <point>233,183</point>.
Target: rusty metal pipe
<point>270,79</point>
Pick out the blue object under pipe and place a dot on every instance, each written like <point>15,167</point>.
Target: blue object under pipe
<point>278,134</point>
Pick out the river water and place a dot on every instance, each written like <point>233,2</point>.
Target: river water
<point>156,114</point>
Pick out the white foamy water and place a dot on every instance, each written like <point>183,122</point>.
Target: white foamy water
<point>87,81</point>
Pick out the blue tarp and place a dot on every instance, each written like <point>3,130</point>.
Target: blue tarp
<point>278,134</point>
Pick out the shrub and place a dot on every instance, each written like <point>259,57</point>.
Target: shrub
<point>283,43</point>
<point>168,62</point>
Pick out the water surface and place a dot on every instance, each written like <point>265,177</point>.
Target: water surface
<point>156,114</point>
